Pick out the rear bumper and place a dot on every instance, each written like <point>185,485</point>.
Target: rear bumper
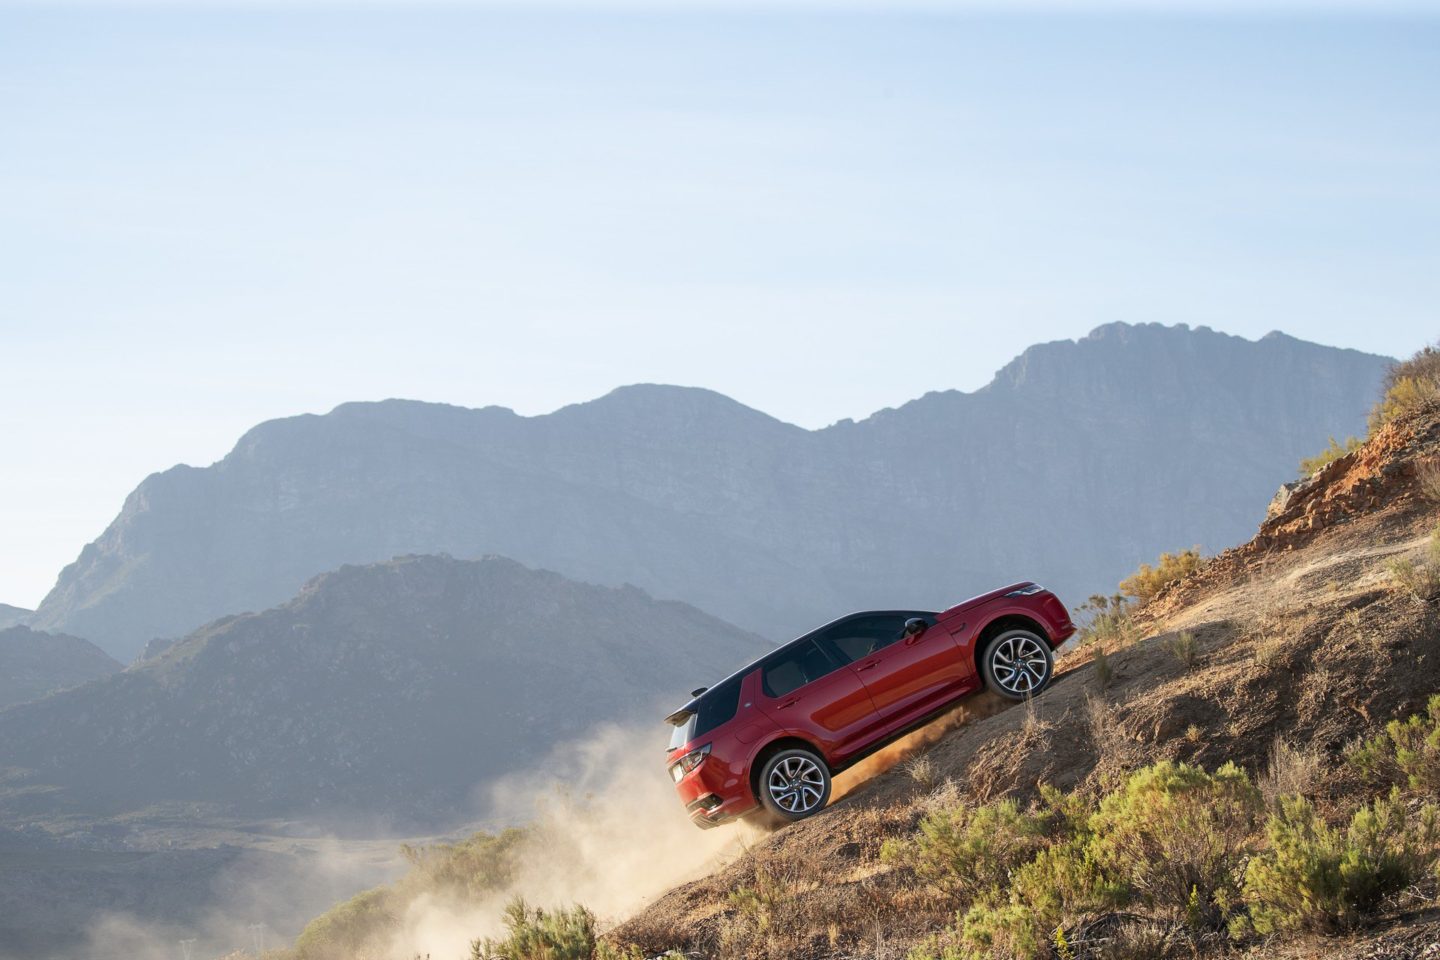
<point>713,794</point>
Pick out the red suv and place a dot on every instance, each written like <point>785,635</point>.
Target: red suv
<point>772,734</point>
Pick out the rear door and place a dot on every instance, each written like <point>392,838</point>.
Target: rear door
<point>907,677</point>
<point>806,691</point>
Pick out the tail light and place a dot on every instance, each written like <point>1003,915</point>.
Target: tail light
<point>688,762</point>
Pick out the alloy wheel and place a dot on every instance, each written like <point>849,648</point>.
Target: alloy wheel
<point>796,784</point>
<point>1019,664</point>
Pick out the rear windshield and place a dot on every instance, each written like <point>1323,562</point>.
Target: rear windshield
<point>712,709</point>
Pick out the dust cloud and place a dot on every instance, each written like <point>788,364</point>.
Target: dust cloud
<point>603,829</point>
<point>612,838</point>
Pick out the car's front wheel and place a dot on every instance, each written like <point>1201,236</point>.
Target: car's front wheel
<point>794,784</point>
<point>1018,664</point>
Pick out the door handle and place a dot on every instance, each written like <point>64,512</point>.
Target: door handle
<point>788,703</point>
<point>869,665</point>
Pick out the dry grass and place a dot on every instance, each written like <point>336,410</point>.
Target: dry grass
<point>1034,725</point>
<point>1185,648</point>
<point>922,771</point>
<point>1420,580</point>
<point>1292,771</point>
<point>1427,479</point>
<point>1269,650</point>
<point>1103,721</point>
<point>1104,672</point>
<point>772,916</point>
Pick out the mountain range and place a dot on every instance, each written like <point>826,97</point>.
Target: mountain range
<point>392,689</point>
<point>1080,459</point>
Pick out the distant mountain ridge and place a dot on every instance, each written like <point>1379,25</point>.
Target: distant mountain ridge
<point>391,690</point>
<point>11,616</point>
<point>33,664</point>
<point>1077,461</point>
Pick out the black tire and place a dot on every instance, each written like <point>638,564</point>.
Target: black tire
<point>1013,659</point>
<point>794,784</point>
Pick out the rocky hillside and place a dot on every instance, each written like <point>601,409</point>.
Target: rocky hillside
<point>1279,656</point>
<point>33,663</point>
<point>390,690</point>
<point>1079,457</point>
<point>12,616</point>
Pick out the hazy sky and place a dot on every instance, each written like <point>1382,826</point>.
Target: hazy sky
<point>211,215</point>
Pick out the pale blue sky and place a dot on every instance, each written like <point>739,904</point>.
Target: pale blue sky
<point>211,215</point>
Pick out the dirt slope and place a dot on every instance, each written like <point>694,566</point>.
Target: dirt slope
<point>1302,636</point>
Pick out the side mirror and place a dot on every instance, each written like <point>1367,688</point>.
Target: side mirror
<point>914,627</point>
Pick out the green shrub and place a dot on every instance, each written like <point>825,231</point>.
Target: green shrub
<point>1176,836</point>
<point>539,934</point>
<point>964,852</point>
<point>1406,396</point>
<point>1314,877</point>
<point>1313,465</point>
<point>1011,931</point>
<point>342,931</point>
<point>477,865</point>
<point>1063,880</point>
<point>1148,581</point>
<point>1409,386</point>
<point>1408,753</point>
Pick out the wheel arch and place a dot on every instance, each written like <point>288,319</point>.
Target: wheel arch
<point>1003,622</point>
<point>772,747</point>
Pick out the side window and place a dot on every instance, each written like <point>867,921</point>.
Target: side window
<point>856,639</point>
<point>795,668</point>
<point>716,707</point>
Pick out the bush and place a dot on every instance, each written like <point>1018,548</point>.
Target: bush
<point>1146,582</point>
<point>1408,753</point>
<point>1008,932</point>
<point>1316,878</point>
<point>342,931</point>
<point>1422,579</point>
<point>1408,395</point>
<point>539,934</point>
<point>1106,621</point>
<point>1175,836</point>
<point>966,853</point>
<point>1409,386</point>
<point>477,865</point>
<point>1313,465</point>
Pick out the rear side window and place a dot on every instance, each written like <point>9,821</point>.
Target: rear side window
<point>716,707</point>
<point>794,668</point>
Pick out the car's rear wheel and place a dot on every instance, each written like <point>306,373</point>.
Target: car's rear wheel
<point>794,784</point>
<point>1018,664</point>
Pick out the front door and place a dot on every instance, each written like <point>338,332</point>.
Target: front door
<point>907,677</point>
